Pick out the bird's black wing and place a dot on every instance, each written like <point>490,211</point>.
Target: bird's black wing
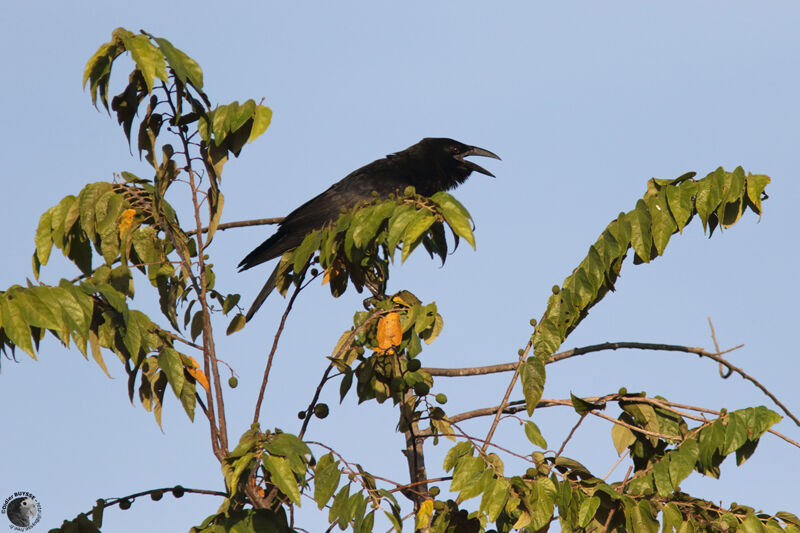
<point>382,176</point>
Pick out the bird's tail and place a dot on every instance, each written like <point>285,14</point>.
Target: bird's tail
<point>269,286</point>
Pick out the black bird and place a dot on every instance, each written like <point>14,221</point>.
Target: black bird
<point>430,166</point>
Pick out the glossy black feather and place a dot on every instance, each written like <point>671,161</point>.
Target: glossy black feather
<point>431,165</point>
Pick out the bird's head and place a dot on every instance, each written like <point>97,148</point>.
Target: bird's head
<point>449,156</point>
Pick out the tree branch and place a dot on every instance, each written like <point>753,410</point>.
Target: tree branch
<point>717,356</point>
<point>519,405</point>
<point>242,224</point>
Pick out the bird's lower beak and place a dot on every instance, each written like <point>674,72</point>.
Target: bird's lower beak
<point>474,150</point>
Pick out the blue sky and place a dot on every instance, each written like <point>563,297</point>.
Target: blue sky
<point>583,101</point>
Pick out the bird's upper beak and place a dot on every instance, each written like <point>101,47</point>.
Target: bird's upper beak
<point>474,150</point>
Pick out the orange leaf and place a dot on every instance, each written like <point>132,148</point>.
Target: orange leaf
<point>326,276</point>
<point>125,220</point>
<point>389,332</point>
<point>198,374</point>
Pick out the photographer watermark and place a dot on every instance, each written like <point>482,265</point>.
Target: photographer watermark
<point>23,511</point>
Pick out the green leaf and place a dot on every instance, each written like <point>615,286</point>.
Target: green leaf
<point>287,445</point>
<point>571,464</point>
<point>709,194</point>
<point>215,203</point>
<point>59,216</point>
<point>144,243</point>
<point>671,518</point>
<point>661,477</point>
<point>186,68</point>
<point>641,239</point>
<point>170,362</point>
<point>326,479</point>
<point>221,122</point>
<point>733,188</point>
<point>456,453</point>
<point>494,497</point>
<point>641,518</point>
<point>368,220</point>
<point>236,324</point>
<point>281,476</point>
<point>44,236</point>
<point>398,222</point>
<point>304,252</point>
<point>680,201</point>
<point>466,472</point>
<point>755,185</point>
<point>682,461</point>
<point>197,325</point>
<point>534,435</point>
<point>340,510</point>
<point>645,416</point>
<point>148,58</point>
<point>98,70</point>
<point>582,407</point>
<point>711,440</point>
<point>751,524</point>
<point>418,225</point>
<point>735,433</point>
<point>18,332</point>
<point>773,526</point>
<point>545,496</point>
<point>587,510</point>
<point>39,306</point>
<point>230,302</point>
<point>243,114</point>
<point>78,308</point>
<point>261,120</point>
<point>662,224</point>
<point>532,375</point>
<point>455,215</point>
<point>477,485</point>
<point>622,437</point>
<point>87,203</point>
<point>788,517</point>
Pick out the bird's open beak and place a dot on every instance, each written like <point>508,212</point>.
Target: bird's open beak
<point>474,150</point>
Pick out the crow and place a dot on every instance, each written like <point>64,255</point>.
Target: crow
<point>430,166</point>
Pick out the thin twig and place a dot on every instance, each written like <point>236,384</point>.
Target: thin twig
<point>272,352</point>
<point>314,400</point>
<point>336,355</point>
<point>621,457</point>
<point>571,433</point>
<point>502,405</point>
<point>422,482</point>
<point>243,224</point>
<point>635,428</point>
<point>722,373</point>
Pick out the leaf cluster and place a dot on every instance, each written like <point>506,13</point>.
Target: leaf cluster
<point>719,200</point>
<point>559,488</point>
<point>359,246</point>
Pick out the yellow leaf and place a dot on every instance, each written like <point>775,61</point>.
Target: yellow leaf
<point>326,276</point>
<point>424,514</point>
<point>390,333</point>
<point>198,374</point>
<point>125,220</point>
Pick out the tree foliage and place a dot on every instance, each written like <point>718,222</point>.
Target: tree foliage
<point>112,230</point>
